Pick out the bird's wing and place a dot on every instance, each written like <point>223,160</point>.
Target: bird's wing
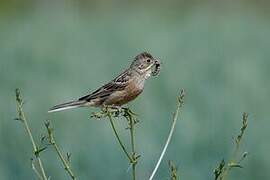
<point>118,84</point>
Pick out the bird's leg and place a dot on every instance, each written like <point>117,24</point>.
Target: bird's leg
<point>101,114</point>
<point>130,114</point>
<point>114,109</point>
<point>105,110</point>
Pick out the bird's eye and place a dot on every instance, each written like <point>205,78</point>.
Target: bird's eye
<point>148,60</point>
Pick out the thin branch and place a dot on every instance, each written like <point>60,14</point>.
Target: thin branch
<point>118,139</point>
<point>175,116</point>
<point>223,169</point>
<point>241,134</point>
<point>128,114</point>
<point>35,169</point>
<point>57,149</point>
<point>131,122</point>
<point>22,118</point>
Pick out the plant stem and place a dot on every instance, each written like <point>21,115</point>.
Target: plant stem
<point>179,104</point>
<point>118,138</point>
<point>35,169</point>
<point>233,159</point>
<point>131,124</point>
<point>132,141</point>
<point>63,160</point>
<point>23,119</point>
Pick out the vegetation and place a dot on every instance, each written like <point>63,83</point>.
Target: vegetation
<point>220,172</point>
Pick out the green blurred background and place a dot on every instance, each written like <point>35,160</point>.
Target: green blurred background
<point>218,51</point>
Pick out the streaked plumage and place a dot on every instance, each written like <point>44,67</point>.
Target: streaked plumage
<point>124,88</point>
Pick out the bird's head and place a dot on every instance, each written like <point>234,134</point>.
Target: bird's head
<point>145,64</point>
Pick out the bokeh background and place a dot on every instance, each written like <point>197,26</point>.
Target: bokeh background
<point>218,51</point>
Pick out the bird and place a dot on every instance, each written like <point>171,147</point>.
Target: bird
<point>124,88</point>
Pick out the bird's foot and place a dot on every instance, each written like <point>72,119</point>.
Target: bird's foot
<point>115,111</point>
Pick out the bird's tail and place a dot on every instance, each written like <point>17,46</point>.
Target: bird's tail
<point>68,105</point>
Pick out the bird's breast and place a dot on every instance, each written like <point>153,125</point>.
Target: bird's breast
<point>130,92</point>
<point>133,89</point>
